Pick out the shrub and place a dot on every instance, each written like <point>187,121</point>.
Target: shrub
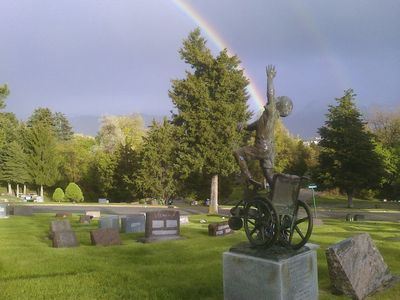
<point>58,195</point>
<point>73,192</point>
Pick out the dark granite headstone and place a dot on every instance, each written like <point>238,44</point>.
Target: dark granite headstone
<point>63,214</point>
<point>105,237</point>
<point>85,219</point>
<point>22,210</point>
<point>218,229</point>
<point>133,223</point>
<point>162,225</point>
<point>356,268</point>
<point>109,222</point>
<point>64,239</point>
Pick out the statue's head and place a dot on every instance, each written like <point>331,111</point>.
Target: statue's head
<point>284,105</point>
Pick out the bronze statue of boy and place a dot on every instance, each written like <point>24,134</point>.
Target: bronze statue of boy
<point>263,149</point>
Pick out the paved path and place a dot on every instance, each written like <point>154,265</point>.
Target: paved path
<point>126,209</point>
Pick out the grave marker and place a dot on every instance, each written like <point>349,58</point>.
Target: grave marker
<point>105,237</point>
<point>65,239</point>
<point>356,268</point>
<point>3,210</point>
<point>219,229</point>
<point>22,210</point>
<point>94,214</point>
<point>58,226</point>
<point>162,225</point>
<point>133,223</point>
<point>109,222</point>
<point>85,219</point>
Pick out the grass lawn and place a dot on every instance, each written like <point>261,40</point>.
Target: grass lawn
<point>186,269</point>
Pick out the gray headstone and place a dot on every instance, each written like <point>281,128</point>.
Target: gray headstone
<point>273,273</point>
<point>64,239</point>
<point>356,268</point>
<point>105,237</point>
<point>162,225</point>
<point>133,223</point>
<point>58,226</point>
<point>3,210</point>
<point>22,210</point>
<point>109,222</point>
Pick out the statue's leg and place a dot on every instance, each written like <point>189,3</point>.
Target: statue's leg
<point>267,169</point>
<point>241,156</point>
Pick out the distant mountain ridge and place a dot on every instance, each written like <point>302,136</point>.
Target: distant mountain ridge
<point>89,124</point>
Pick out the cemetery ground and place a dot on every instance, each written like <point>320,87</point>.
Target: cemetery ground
<point>190,268</point>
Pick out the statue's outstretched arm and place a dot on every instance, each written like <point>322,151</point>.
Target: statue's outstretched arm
<point>271,72</point>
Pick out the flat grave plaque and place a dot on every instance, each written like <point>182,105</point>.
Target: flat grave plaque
<point>219,229</point>
<point>105,237</point>
<point>63,214</point>
<point>94,214</point>
<point>65,239</point>
<point>133,223</point>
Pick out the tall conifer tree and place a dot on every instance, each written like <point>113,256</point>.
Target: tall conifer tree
<point>348,159</point>
<point>210,102</point>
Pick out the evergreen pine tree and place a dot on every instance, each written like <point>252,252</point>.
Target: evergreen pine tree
<point>210,102</point>
<point>348,159</point>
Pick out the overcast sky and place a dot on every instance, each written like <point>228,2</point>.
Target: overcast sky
<point>96,57</point>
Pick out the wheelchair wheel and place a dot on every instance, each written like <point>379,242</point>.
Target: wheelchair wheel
<point>261,222</point>
<point>296,230</point>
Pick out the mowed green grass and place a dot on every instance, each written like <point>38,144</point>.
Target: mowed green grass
<point>185,269</point>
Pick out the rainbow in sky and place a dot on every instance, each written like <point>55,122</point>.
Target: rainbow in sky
<point>254,93</point>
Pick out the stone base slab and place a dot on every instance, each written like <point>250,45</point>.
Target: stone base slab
<point>270,273</point>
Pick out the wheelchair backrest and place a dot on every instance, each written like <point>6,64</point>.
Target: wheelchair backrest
<point>285,192</point>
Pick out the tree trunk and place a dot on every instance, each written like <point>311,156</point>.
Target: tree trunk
<point>213,208</point>
<point>24,189</point>
<point>350,199</point>
<point>17,190</point>
<point>9,189</point>
<point>41,191</point>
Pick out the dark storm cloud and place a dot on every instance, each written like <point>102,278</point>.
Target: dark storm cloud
<point>96,57</point>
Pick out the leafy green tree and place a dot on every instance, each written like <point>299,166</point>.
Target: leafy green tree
<point>386,126</point>
<point>102,173</point>
<point>348,157</point>
<point>42,155</point>
<point>4,92</point>
<point>157,172</point>
<point>76,156</point>
<point>120,130</point>
<point>73,192</point>
<point>210,102</point>
<point>58,195</point>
